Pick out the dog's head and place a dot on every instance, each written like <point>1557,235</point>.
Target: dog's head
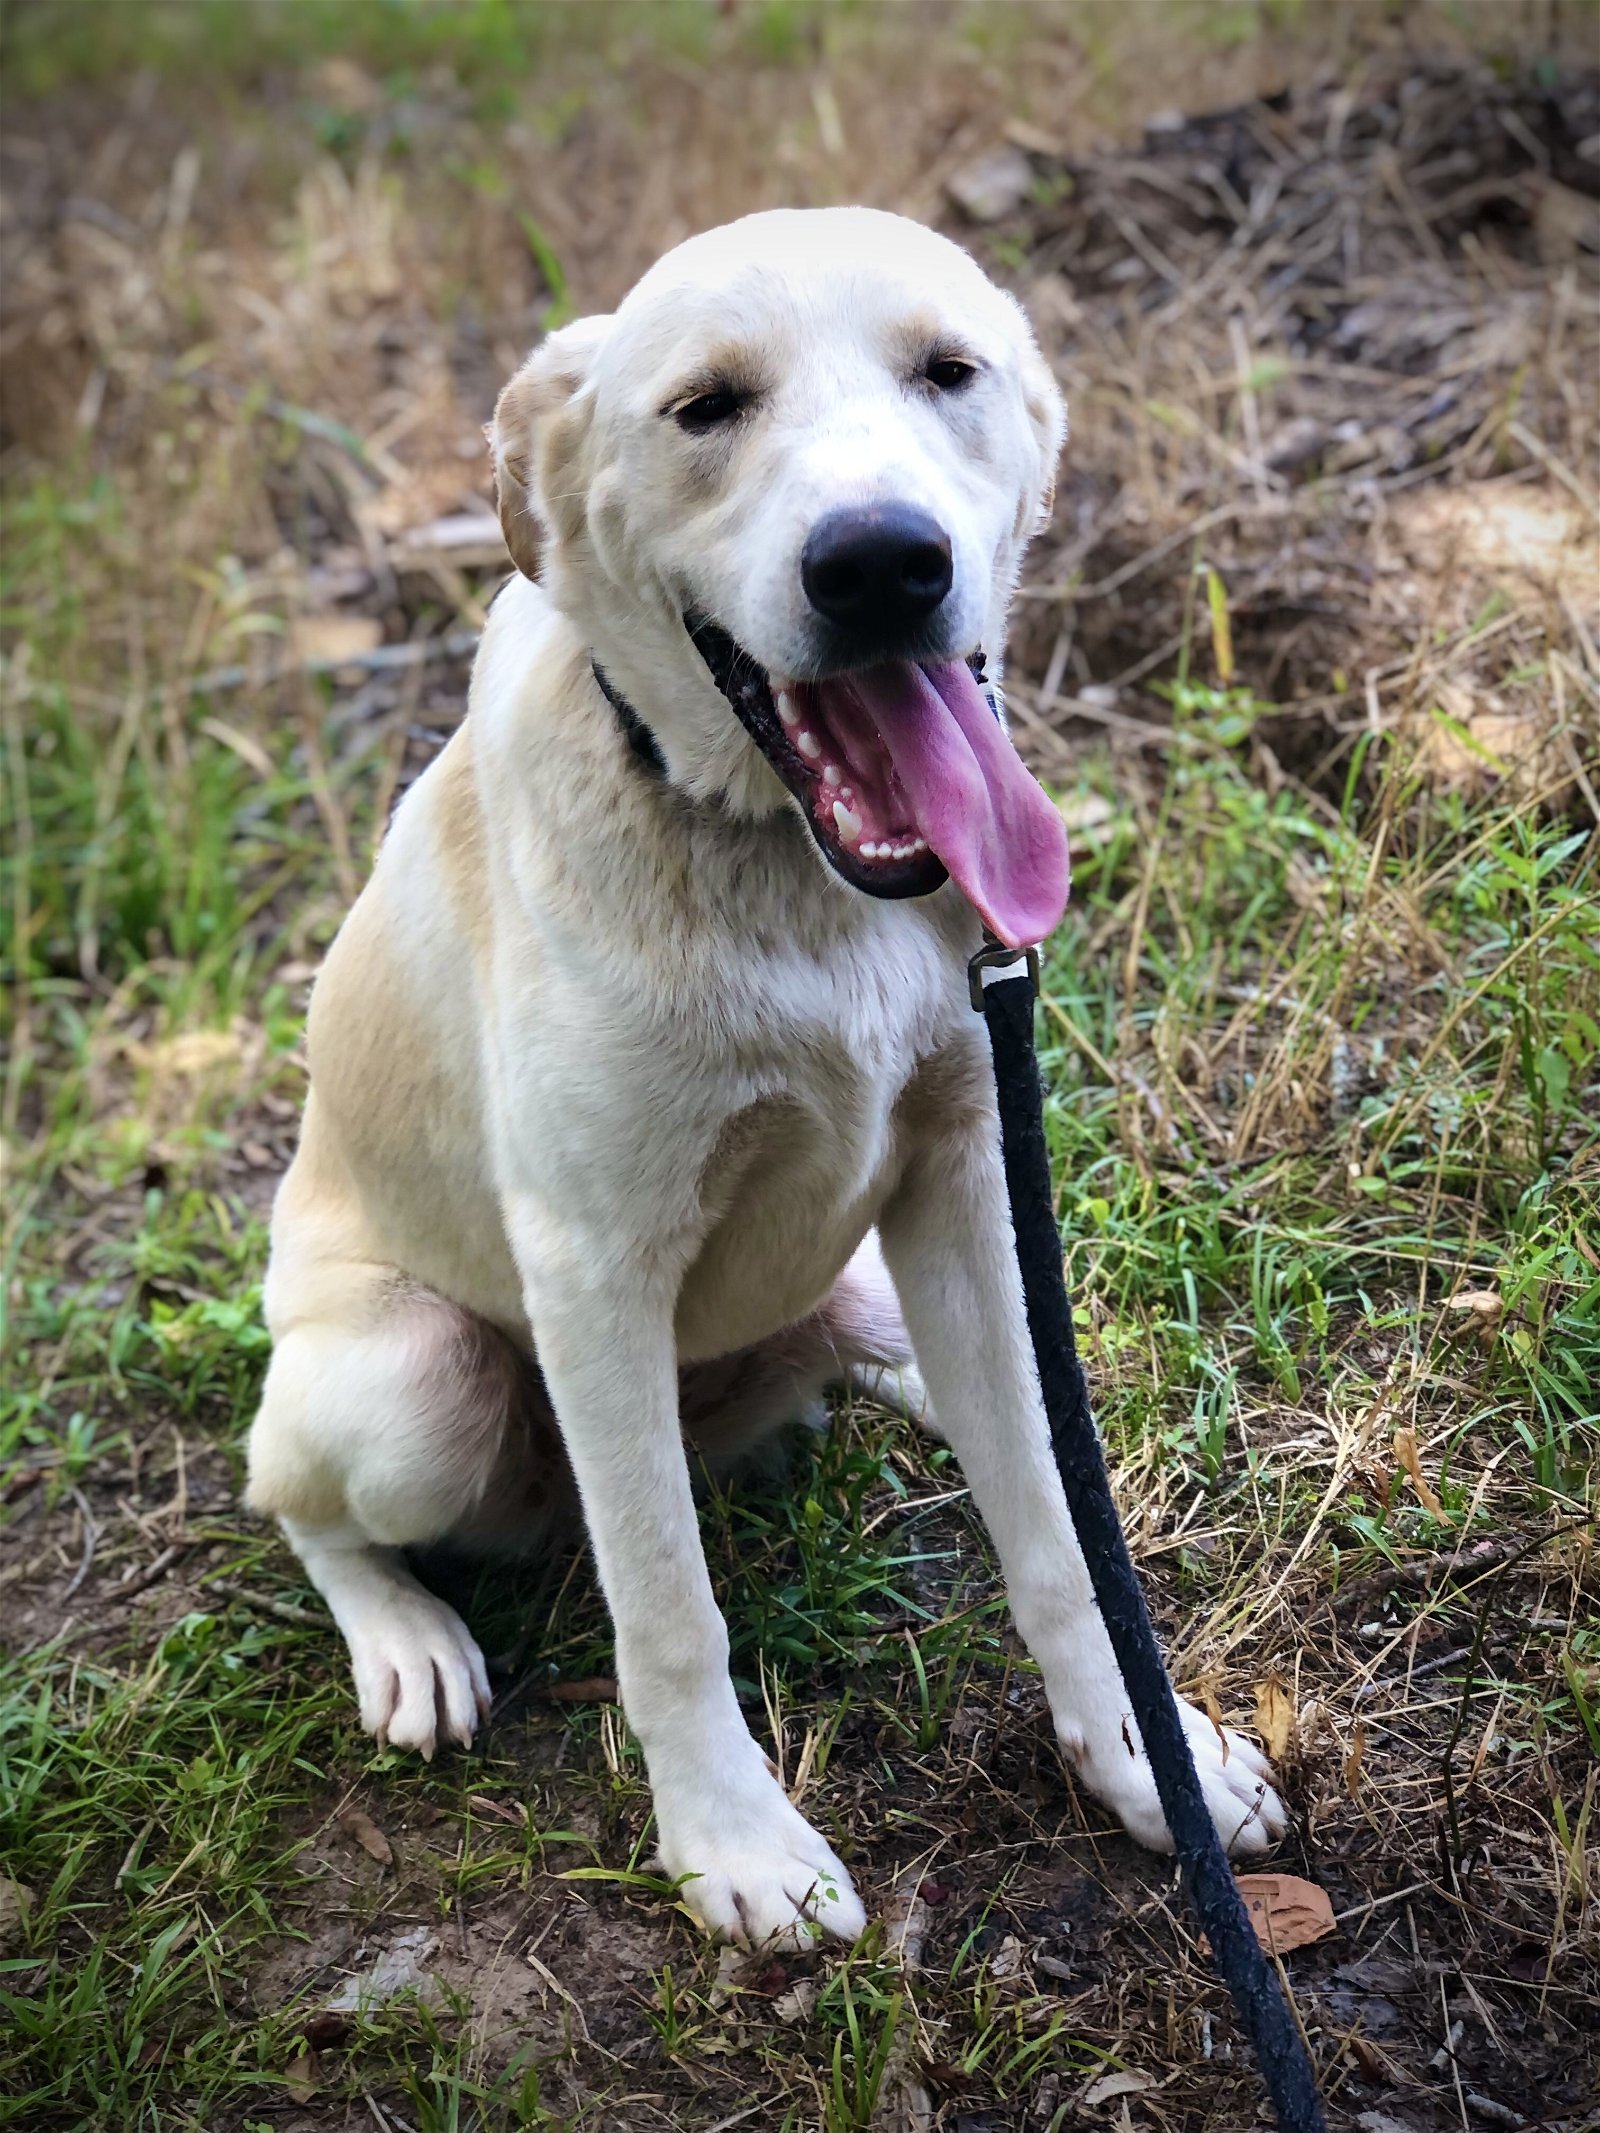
<point>784,491</point>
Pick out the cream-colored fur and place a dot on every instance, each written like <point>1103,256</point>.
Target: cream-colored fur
<point>609,1071</point>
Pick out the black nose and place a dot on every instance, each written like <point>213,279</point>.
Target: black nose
<point>877,569</point>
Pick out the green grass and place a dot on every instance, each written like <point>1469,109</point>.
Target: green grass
<point>1464,1159</point>
<point>495,48</point>
<point>1404,1110</point>
<point>1321,1059</point>
<point>482,41</point>
<point>499,49</point>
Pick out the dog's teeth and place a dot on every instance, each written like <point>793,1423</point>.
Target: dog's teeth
<point>833,775</point>
<point>786,710</point>
<point>810,747</point>
<point>919,844</point>
<point>870,851</point>
<point>849,825</point>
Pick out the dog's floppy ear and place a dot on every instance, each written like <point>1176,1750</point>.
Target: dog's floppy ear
<point>540,423</point>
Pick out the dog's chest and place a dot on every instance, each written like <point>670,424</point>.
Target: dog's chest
<point>801,1166</point>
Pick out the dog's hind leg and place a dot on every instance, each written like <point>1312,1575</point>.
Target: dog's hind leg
<point>855,1338</point>
<point>869,1329</point>
<point>392,1419</point>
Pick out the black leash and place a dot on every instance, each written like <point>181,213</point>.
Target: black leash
<point>1004,982</point>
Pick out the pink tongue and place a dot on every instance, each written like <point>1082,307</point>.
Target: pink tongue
<point>979,808</point>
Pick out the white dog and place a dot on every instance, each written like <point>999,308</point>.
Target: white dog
<point>652,1025</point>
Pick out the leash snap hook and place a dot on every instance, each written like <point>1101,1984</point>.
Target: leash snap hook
<point>993,955</point>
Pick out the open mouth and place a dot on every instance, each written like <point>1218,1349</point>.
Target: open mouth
<point>906,780</point>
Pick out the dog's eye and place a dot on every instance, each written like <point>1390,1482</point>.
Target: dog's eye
<point>709,410</point>
<point>949,373</point>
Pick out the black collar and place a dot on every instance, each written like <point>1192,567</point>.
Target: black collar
<point>634,730</point>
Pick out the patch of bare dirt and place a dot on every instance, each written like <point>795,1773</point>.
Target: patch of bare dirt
<point>119,1554</point>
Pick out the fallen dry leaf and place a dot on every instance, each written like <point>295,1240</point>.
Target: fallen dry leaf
<point>1286,1911</point>
<point>1487,1308</point>
<point>367,1834</point>
<point>300,2077</point>
<point>1205,1694</point>
<point>1367,2057</point>
<point>1483,1303</point>
<point>595,1688</point>
<point>499,1810</point>
<point>1275,1716</point>
<point>904,2105</point>
<point>1108,2087</point>
<point>905,1927</point>
<point>796,2004</point>
<point>1406,1453</point>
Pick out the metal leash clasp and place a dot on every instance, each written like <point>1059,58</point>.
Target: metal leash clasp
<point>993,955</point>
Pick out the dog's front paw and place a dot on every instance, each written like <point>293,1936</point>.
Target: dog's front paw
<point>752,1868</point>
<point>1235,1777</point>
<point>418,1672</point>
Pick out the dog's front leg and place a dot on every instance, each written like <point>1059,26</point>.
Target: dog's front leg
<point>760,1873</point>
<point>948,1242</point>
